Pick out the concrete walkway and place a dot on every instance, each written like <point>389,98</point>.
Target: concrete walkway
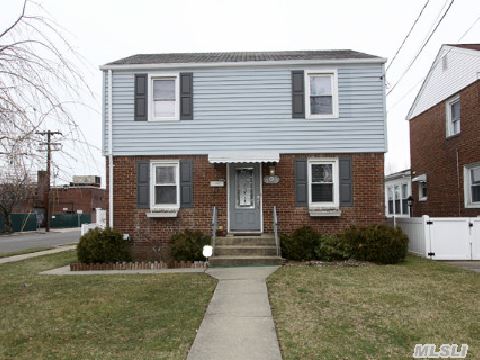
<point>238,323</point>
<point>472,265</point>
<point>20,257</point>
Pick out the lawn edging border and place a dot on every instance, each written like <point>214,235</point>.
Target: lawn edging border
<point>138,265</point>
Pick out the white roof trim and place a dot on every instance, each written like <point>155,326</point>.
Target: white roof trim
<point>421,177</point>
<point>243,157</point>
<point>376,60</point>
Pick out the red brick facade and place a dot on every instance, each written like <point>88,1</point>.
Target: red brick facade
<point>434,154</point>
<point>368,200</point>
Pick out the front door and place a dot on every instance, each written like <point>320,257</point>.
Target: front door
<point>244,198</point>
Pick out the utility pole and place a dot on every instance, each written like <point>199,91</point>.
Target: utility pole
<point>46,193</point>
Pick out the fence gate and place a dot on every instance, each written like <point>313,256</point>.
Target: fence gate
<point>475,236</point>
<point>453,238</point>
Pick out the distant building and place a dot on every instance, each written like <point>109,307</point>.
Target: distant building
<point>397,191</point>
<point>82,193</point>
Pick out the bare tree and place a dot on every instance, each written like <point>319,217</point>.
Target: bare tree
<point>41,79</point>
<point>16,185</point>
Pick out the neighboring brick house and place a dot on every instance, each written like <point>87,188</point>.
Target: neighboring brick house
<point>243,132</point>
<point>445,135</point>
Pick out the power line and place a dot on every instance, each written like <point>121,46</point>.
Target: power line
<point>408,34</point>
<point>422,47</point>
<point>423,79</point>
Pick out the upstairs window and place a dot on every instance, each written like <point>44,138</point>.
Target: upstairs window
<point>453,116</point>
<point>321,100</point>
<point>323,183</point>
<point>163,97</point>
<point>472,185</point>
<point>165,189</point>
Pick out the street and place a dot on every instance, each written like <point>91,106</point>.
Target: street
<point>17,242</point>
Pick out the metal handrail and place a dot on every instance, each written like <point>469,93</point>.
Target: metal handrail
<point>275,230</point>
<point>214,226</point>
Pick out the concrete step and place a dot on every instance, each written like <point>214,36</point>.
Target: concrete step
<point>269,250</point>
<point>244,260</point>
<point>264,239</point>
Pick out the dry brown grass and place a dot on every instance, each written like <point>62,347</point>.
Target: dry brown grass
<point>374,312</point>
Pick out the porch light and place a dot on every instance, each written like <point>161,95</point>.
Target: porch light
<point>410,204</point>
<point>271,170</point>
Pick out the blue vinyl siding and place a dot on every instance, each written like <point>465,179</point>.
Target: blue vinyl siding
<point>251,109</point>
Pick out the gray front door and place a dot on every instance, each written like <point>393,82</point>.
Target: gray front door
<point>244,203</point>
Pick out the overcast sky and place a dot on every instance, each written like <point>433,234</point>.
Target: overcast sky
<point>103,31</point>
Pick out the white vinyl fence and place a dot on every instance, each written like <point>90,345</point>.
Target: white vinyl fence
<point>100,221</point>
<point>443,238</point>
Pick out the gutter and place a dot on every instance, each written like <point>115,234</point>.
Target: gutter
<point>376,60</point>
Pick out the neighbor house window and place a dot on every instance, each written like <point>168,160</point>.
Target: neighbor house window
<point>472,185</point>
<point>323,183</point>
<point>422,190</point>
<point>390,201</point>
<point>405,195</point>
<point>164,180</point>
<point>163,94</point>
<point>398,209</point>
<point>321,100</point>
<point>453,116</point>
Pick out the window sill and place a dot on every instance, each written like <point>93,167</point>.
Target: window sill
<point>163,213</point>
<point>325,212</point>
<point>472,206</point>
<point>423,199</point>
<point>163,119</point>
<point>321,117</point>
<point>450,137</point>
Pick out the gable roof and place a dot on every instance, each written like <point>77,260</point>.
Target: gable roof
<point>243,57</point>
<point>467,46</point>
<point>463,69</point>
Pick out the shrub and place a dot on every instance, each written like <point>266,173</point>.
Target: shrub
<point>332,247</point>
<point>188,245</point>
<point>102,246</point>
<point>377,243</point>
<point>300,245</point>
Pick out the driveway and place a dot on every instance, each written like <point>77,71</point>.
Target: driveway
<point>22,241</point>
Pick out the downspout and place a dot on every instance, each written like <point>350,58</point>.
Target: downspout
<point>110,149</point>
<point>458,185</point>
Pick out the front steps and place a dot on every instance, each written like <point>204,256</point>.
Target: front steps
<point>248,250</point>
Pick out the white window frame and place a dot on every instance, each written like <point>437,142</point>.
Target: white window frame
<point>313,72</point>
<point>390,189</point>
<point>336,184</point>
<point>420,197</point>
<point>467,184</point>
<point>153,183</point>
<point>151,114</point>
<point>448,112</point>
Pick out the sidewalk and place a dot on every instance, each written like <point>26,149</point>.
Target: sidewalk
<point>21,257</point>
<point>238,323</point>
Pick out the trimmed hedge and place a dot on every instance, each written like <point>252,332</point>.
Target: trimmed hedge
<point>103,246</point>
<point>300,245</point>
<point>377,243</point>
<point>188,245</point>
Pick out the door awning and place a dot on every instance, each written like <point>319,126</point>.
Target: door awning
<point>243,157</point>
<point>421,178</point>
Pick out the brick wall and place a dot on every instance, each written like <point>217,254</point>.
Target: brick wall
<point>435,155</point>
<point>368,208</point>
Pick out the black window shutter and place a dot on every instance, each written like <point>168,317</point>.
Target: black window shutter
<point>298,94</point>
<point>346,197</point>
<point>301,183</point>
<point>143,184</point>
<point>141,97</point>
<point>186,96</point>
<point>186,183</point>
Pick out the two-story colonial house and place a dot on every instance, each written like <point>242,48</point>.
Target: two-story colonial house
<point>302,132</point>
<point>445,135</point>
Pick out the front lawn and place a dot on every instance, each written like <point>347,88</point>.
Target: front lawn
<point>147,316</point>
<point>374,312</point>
